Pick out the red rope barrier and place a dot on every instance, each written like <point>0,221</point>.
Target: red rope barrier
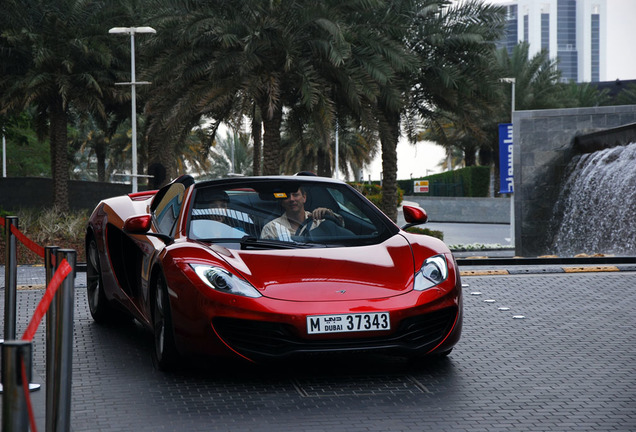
<point>30,244</point>
<point>27,396</point>
<point>60,274</point>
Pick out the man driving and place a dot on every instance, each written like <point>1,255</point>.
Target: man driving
<point>294,216</point>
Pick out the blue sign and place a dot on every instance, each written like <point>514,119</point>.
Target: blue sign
<point>506,178</point>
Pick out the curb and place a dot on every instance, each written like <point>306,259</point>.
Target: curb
<point>519,261</point>
<point>553,269</point>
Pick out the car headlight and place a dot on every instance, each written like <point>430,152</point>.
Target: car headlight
<point>222,280</point>
<point>434,271</point>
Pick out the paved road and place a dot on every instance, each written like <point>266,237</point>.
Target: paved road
<point>569,364</point>
<point>472,233</point>
<point>467,233</point>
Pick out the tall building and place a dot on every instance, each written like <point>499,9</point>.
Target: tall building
<point>573,31</point>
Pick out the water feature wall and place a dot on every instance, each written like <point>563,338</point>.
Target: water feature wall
<point>545,142</point>
<point>594,212</point>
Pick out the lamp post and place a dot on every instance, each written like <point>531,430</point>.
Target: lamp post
<point>337,160</point>
<point>4,154</point>
<point>133,98</point>
<point>512,195</point>
<point>512,105</point>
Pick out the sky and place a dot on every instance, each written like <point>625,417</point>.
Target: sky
<point>424,158</point>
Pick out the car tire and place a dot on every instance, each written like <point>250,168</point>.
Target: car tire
<point>98,304</point>
<point>165,354</point>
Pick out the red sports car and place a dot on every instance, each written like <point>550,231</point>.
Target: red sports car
<point>269,267</point>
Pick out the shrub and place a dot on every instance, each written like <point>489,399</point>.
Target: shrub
<point>471,181</point>
<point>48,227</point>
<point>373,192</point>
<point>426,231</point>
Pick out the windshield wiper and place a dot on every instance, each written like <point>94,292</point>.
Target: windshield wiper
<point>251,242</point>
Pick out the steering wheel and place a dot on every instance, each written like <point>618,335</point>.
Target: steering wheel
<point>306,225</point>
<point>331,218</point>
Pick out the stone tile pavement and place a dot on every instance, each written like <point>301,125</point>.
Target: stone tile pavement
<point>539,352</point>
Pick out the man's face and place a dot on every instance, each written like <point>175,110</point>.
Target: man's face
<point>295,201</point>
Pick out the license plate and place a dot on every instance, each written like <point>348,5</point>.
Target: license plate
<point>344,323</point>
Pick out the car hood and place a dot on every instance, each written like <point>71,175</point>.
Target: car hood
<point>328,274</point>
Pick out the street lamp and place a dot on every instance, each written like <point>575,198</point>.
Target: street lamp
<point>4,154</point>
<point>512,105</point>
<point>512,197</point>
<point>337,160</point>
<point>133,99</point>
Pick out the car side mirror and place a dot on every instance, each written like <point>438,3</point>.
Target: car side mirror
<point>414,216</point>
<point>138,224</point>
<point>141,225</point>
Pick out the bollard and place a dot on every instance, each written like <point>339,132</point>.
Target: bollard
<point>10,279</point>
<point>11,288</point>
<point>60,385</point>
<point>50,266</point>
<point>15,416</point>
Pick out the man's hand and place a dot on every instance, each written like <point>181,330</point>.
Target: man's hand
<point>321,212</point>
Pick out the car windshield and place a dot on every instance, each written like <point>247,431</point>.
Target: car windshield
<point>264,214</point>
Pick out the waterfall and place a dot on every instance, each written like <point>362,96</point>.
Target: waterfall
<point>596,208</point>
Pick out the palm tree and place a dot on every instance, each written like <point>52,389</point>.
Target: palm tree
<point>308,144</point>
<point>55,56</point>
<point>627,96</point>
<point>227,59</point>
<point>536,78</point>
<point>232,58</point>
<point>450,41</point>
<point>456,46</point>
<point>26,155</point>
<point>231,155</point>
<point>584,95</point>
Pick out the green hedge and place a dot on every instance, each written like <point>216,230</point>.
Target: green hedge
<point>426,231</point>
<point>471,181</point>
<point>373,192</point>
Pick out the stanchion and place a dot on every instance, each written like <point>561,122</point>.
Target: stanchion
<point>57,303</point>
<point>50,265</point>
<point>58,387</point>
<point>11,287</point>
<point>15,416</point>
<point>10,279</point>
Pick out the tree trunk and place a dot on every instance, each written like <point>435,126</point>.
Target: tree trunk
<point>161,161</point>
<point>257,135</point>
<point>324,163</point>
<point>271,141</point>
<point>100,153</point>
<point>59,152</point>
<point>470,158</point>
<point>389,140</point>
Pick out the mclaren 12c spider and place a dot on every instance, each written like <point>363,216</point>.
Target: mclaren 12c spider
<point>270,267</point>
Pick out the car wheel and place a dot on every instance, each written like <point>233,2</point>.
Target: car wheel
<point>165,353</point>
<point>97,302</point>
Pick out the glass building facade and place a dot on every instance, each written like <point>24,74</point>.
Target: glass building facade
<point>596,47</point>
<point>570,30</point>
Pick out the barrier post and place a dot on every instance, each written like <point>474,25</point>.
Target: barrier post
<point>50,265</point>
<point>10,278</point>
<point>15,415</point>
<point>63,354</point>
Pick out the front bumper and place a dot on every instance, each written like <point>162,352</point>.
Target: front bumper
<point>261,339</point>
